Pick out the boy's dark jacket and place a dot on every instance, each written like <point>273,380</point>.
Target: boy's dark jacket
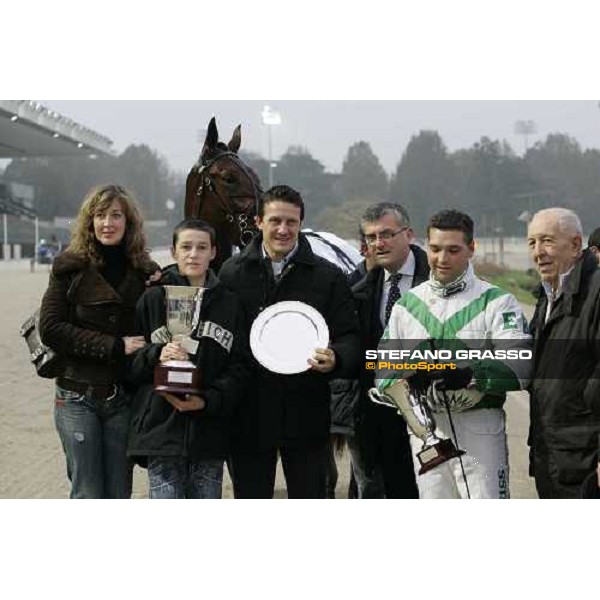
<point>157,429</point>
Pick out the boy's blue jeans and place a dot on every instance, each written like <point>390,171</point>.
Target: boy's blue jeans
<point>172,477</point>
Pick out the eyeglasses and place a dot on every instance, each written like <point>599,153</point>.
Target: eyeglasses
<point>385,236</point>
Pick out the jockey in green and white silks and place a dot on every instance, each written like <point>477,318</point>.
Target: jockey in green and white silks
<point>465,314</point>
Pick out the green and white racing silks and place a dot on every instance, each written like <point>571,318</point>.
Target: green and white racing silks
<point>478,317</point>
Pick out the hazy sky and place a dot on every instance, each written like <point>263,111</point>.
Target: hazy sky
<point>328,128</point>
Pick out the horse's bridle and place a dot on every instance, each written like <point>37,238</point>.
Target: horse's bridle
<point>243,220</point>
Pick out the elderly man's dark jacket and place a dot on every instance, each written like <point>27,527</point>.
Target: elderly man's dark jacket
<point>83,318</point>
<point>565,390</point>
<point>292,410</point>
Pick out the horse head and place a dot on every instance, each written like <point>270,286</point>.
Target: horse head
<point>222,190</point>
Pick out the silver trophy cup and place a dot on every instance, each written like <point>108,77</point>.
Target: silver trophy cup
<point>183,305</point>
<point>418,417</point>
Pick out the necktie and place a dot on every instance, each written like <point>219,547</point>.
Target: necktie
<point>393,296</point>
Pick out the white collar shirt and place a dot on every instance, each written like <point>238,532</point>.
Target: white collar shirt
<point>279,266</point>
<point>554,296</point>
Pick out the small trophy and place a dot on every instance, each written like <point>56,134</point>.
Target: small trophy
<point>417,415</point>
<point>183,315</point>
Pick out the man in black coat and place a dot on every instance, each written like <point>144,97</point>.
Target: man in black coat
<point>565,391</point>
<point>289,414</point>
<point>381,456</point>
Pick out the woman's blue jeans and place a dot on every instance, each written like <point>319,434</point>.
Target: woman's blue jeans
<point>94,438</point>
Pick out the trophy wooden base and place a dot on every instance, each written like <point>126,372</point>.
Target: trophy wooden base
<point>177,377</point>
<point>437,454</point>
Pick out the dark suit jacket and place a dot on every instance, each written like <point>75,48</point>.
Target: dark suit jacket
<point>367,295</point>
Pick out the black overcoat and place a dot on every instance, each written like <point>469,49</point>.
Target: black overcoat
<point>292,410</point>
<point>565,389</point>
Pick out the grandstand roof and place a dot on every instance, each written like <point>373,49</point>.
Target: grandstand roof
<point>28,128</point>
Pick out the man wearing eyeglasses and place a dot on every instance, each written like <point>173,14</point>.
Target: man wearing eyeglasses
<point>380,449</point>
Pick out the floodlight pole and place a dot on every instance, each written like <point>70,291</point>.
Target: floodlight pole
<point>270,128</point>
<point>37,237</point>
<point>270,118</point>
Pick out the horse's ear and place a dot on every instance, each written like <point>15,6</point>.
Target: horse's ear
<point>236,140</point>
<point>212,137</point>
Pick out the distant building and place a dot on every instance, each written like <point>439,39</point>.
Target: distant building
<point>16,198</point>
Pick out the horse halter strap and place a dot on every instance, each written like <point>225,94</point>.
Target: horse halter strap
<point>245,228</point>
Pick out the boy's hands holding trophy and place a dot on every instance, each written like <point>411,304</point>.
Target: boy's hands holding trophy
<point>185,402</point>
<point>176,377</point>
<point>173,351</point>
<point>188,403</point>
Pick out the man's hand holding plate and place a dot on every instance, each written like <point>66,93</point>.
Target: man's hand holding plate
<point>323,360</point>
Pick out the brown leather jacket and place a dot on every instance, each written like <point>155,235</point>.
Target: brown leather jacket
<point>82,317</point>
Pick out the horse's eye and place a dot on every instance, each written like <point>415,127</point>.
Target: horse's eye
<point>229,178</point>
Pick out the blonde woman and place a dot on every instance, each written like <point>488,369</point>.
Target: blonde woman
<point>87,317</point>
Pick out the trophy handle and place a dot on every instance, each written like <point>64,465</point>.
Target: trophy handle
<point>413,407</point>
<point>409,405</point>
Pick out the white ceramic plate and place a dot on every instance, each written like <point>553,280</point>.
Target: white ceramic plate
<point>284,336</point>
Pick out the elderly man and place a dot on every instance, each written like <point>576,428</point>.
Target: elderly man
<point>565,392</point>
